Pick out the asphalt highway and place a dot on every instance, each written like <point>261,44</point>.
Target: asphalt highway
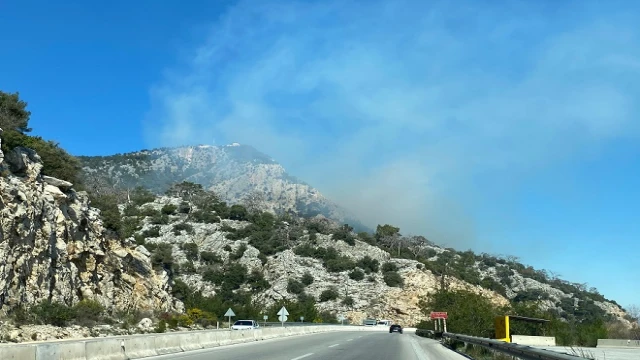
<point>341,345</point>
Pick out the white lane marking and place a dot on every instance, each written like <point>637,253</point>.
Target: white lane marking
<point>334,345</point>
<point>417,349</point>
<point>303,356</point>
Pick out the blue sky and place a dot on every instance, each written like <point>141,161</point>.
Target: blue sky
<point>509,127</point>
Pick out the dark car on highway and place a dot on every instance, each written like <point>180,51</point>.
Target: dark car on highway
<point>395,327</point>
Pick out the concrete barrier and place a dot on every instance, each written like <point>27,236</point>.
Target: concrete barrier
<point>618,343</point>
<point>533,340</point>
<point>167,344</point>
<point>105,349</point>
<point>209,339</point>
<point>63,351</point>
<point>18,352</point>
<point>140,347</point>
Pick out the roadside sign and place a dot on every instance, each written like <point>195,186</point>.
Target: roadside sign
<point>265,317</point>
<point>283,315</point>
<point>438,315</point>
<point>301,318</point>
<point>229,314</point>
<point>283,311</point>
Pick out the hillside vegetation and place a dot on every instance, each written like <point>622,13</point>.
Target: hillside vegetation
<point>248,256</point>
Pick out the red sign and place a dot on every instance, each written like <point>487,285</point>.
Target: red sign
<point>438,315</point>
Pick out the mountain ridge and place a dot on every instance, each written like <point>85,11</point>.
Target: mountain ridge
<point>232,171</point>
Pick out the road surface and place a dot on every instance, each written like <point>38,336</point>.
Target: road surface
<point>341,345</point>
<point>598,353</point>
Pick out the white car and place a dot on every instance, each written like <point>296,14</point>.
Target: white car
<point>245,325</point>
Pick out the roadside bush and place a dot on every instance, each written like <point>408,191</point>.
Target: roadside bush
<point>88,312</point>
<point>53,313</point>
<point>210,258</point>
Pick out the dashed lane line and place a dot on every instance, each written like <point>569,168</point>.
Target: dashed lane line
<point>303,356</point>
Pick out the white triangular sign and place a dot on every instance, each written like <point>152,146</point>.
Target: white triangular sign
<point>229,313</point>
<point>283,311</point>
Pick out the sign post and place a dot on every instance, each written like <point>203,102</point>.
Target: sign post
<point>301,319</point>
<point>282,315</point>
<point>229,313</point>
<point>265,319</point>
<point>439,315</point>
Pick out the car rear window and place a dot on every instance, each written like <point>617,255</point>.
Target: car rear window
<point>243,322</point>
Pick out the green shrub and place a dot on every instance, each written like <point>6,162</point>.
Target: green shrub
<point>340,264</point>
<point>190,250</point>
<point>205,217</point>
<point>178,228</point>
<point>214,276</point>
<point>348,301</point>
<point>368,264</point>
<point>53,313</point>
<point>56,161</point>
<point>152,232</point>
<point>209,257</point>
<point>329,294</point>
<point>131,210</point>
<point>307,279</point>
<point>393,279</point>
<point>88,312</point>
<point>295,286</point>
<point>140,196</point>
<point>389,266</point>
<point>239,253</point>
<point>162,256</point>
<point>238,212</point>
<point>160,219</point>
<point>129,226</point>
<point>187,267</point>
<point>257,282</point>
<point>169,209</point>
<point>149,211</point>
<point>356,275</point>
<point>109,212</point>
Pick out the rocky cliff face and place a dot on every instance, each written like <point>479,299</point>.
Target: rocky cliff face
<point>53,247</point>
<point>232,171</point>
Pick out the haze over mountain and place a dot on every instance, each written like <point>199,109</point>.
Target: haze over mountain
<point>235,172</point>
<point>505,128</point>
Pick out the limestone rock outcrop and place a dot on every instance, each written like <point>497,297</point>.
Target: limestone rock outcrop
<point>54,247</point>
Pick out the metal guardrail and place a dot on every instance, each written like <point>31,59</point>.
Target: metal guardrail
<point>520,351</point>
